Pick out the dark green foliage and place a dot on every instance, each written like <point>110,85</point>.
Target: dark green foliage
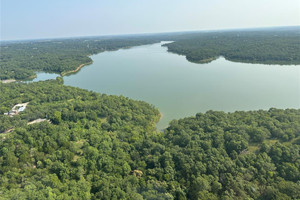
<point>107,147</point>
<point>212,153</point>
<point>268,46</point>
<point>95,146</point>
<point>20,60</point>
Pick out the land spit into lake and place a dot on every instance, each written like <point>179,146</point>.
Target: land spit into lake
<point>75,70</point>
<point>8,81</point>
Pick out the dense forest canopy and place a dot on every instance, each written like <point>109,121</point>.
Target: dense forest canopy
<point>267,46</point>
<point>21,59</point>
<point>70,143</point>
<point>96,146</point>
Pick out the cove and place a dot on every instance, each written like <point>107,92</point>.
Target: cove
<point>43,76</point>
<point>179,88</point>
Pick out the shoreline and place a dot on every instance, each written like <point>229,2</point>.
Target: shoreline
<point>8,81</point>
<point>161,116</point>
<point>75,70</point>
<point>91,62</point>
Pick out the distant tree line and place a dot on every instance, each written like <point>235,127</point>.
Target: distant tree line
<point>266,46</point>
<point>21,59</point>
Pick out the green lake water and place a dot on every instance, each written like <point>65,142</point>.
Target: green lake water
<point>180,88</point>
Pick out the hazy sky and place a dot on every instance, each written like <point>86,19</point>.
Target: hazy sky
<point>29,19</point>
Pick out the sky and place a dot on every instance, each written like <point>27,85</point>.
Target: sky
<point>35,19</point>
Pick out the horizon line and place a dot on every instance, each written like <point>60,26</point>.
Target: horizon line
<point>147,33</point>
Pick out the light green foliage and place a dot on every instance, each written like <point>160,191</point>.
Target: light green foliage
<point>106,147</point>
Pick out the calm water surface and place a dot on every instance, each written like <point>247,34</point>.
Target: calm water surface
<point>180,88</point>
<point>42,76</point>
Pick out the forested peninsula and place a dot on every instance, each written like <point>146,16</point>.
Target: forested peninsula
<point>266,46</point>
<point>20,60</point>
<point>96,146</point>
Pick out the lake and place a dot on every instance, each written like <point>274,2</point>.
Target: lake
<point>180,88</point>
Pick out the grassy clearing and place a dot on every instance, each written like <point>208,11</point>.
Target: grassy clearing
<point>254,147</point>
